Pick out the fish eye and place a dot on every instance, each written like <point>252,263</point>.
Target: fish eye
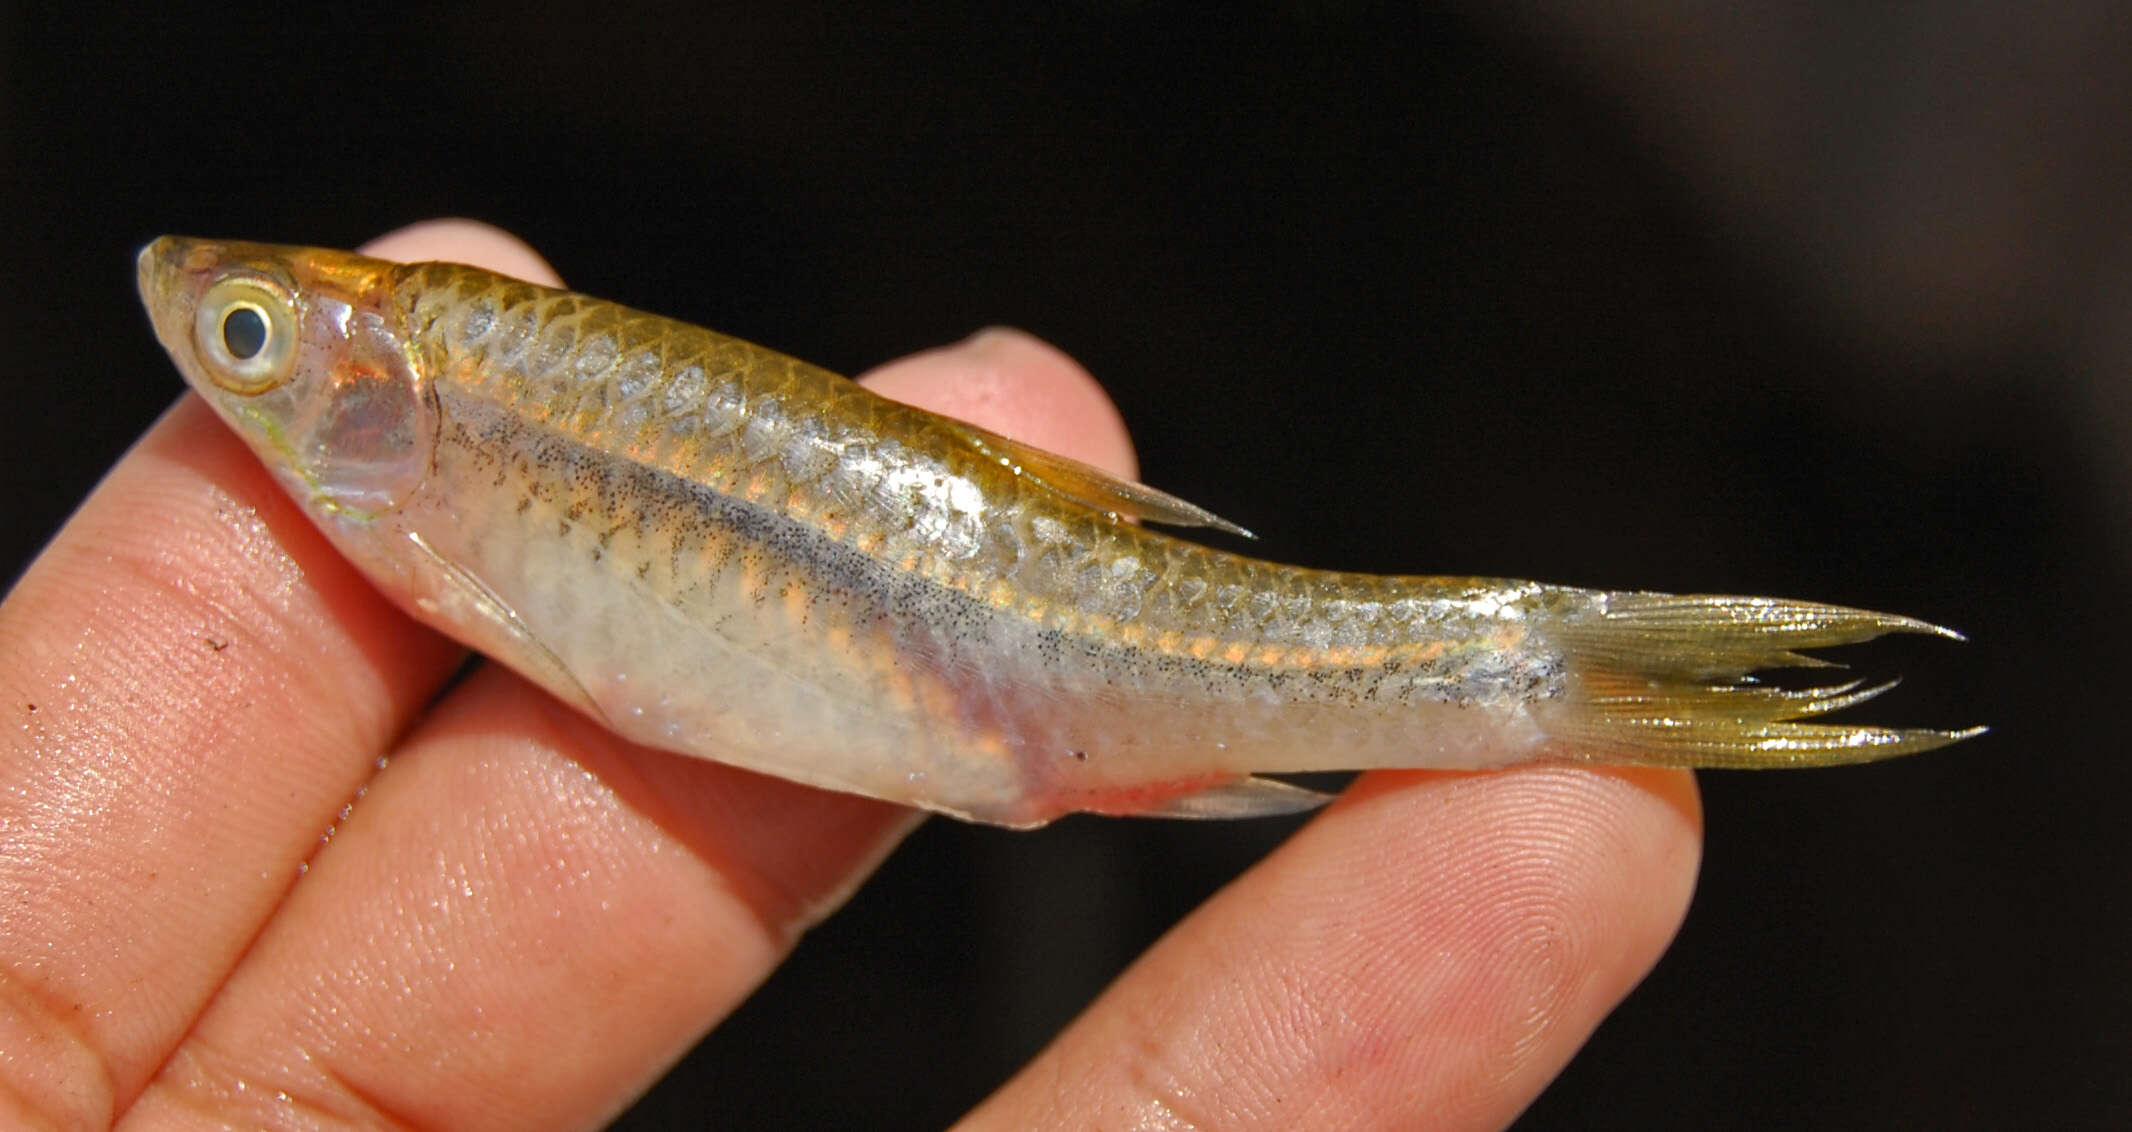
<point>245,329</point>
<point>244,332</point>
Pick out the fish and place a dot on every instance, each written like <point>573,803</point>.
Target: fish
<point>714,549</point>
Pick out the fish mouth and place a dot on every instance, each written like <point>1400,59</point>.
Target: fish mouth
<point>159,273</point>
<point>144,266</point>
<point>171,273</point>
<point>150,270</point>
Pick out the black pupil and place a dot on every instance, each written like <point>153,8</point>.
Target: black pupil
<point>244,332</point>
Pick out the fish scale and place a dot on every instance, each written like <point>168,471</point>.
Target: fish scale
<point>719,550</point>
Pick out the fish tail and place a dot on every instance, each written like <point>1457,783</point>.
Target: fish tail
<point>1665,680</point>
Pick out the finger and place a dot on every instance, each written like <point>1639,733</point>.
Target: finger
<point>520,887</point>
<point>1018,386</point>
<point>1428,953</point>
<point>200,684</point>
<point>464,241</point>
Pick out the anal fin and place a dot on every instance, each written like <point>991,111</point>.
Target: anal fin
<point>1247,797</point>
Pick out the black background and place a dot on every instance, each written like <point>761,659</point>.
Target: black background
<point>1823,306</point>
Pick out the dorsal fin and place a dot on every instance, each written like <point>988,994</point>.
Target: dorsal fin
<point>1094,487</point>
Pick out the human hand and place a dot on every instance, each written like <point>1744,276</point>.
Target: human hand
<point>518,920</point>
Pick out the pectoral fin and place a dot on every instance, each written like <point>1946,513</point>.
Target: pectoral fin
<point>479,615</point>
<point>1094,487</point>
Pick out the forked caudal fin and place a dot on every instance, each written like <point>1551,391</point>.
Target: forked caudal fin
<point>1664,680</point>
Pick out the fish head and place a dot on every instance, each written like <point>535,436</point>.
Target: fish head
<point>306,354</point>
